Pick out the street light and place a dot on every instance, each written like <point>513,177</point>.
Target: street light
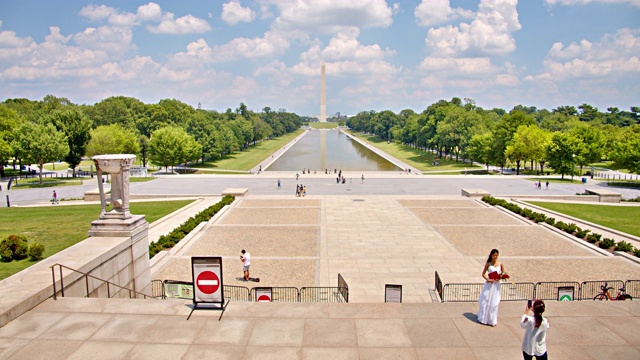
<point>573,160</point>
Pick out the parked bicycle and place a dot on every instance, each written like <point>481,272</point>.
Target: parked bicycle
<point>605,295</point>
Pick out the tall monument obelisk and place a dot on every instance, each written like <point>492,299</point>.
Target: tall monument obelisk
<point>323,97</point>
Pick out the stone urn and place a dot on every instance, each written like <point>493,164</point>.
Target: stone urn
<point>118,166</point>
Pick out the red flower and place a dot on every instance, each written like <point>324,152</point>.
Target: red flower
<point>504,276</point>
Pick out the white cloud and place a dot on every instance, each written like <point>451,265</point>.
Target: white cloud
<point>149,12</point>
<point>615,55</point>
<point>115,41</point>
<point>113,16</point>
<point>13,48</point>
<point>489,33</point>
<point>187,24</point>
<point>273,43</point>
<point>233,13</point>
<point>434,12</point>
<point>330,16</point>
<point>585,2</point>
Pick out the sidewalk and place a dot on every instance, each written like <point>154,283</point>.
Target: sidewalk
<point>73,328</point>
<point>168,223</point>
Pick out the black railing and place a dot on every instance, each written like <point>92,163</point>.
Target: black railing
<point>438,284</point>
<point>633,288</point>
<point>589,289</point>
<point>236,293</point>
<point>461,292</point>
<point>93,286</point>
<point>548,290</point>
<point>157,289</point>
<point>284,294</point>
<point>321,294</point>
<point>343,287</point>
<point>545,290</point>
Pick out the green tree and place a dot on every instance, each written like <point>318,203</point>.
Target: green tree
<point>172,145</point>
<point>503,133</point>
<point>112,139</point>
<point>77,128</point>
<point>561,151</point>
<point>9,120</point>
<point>592,142</point>
<point>39,144</point>
<point>626,152</point>
<point>479,148</point>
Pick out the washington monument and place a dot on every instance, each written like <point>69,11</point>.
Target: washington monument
<point>323,97</point>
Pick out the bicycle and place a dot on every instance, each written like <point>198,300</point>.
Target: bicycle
<point>605,295</point>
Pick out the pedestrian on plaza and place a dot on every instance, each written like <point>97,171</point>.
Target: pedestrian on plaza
<point>534,342</point>
<point>297,190</point>
<point>490,295</point>
<point>246,262</point>
<point>297,176</point>
<point>362,179</point>
<point>55,198</point>
<point>539,185</point>
<point>547,184</point>
<point>278,184</point>
<point>304,190</point>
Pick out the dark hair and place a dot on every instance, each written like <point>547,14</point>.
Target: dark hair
<point>493,251</point>
<point>243,251</point>
<point>538,309</point>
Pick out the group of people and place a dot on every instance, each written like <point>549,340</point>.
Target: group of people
<point>538,185</point>
<point>301,190</point>
<point>534,341</point>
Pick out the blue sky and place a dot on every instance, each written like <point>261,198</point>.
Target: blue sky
<point>379,55</point>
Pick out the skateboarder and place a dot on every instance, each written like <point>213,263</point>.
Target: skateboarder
<point>246,262</point>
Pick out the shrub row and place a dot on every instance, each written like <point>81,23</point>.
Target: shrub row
<point>16,247</point>
<point>171,239</point>
<point>572,229</point>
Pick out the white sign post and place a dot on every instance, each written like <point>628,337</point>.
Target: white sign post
<point>392,293</point>
<point>208,289</point>
<point>263,294</point>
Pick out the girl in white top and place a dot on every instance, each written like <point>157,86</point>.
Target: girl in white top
<point>534,342</point>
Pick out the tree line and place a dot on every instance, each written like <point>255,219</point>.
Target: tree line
<point>560,138</point>
<point>167,133</point>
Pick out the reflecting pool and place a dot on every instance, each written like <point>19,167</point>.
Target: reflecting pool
<point>329,149</point>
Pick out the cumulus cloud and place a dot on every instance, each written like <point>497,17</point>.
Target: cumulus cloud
<point>271,44</point>
<point>115,41</point>
<point>330,16</point>
<point>615,55</point>
<point>233,13</point>
<point>187,24</point>
<point>149,12</point>
<point>434,12</point>
<point>585,2</point>
<point>488,33</point>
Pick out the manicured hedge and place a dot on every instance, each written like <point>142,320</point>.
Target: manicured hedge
<point>572,229</point>
<point>171,239</point>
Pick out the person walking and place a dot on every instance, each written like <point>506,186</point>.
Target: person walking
<point>362,179</point>
<point>246,263</point>
<point>55,198</point>
<point>534,342</point>
<point>278,184</point>
<point>490,295</point>
<point>547,184</point>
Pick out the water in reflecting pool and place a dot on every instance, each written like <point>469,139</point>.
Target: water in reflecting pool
<point>330,149</point>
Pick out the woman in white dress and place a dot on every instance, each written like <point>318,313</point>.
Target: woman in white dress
<point>490,295</point>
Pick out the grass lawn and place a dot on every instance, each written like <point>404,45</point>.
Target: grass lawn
<point>421,160</point>
<point>247,159</point>
<point>324,125</point>
<point>46,182</point>
<point>59,227</point>
<point>623,218</point>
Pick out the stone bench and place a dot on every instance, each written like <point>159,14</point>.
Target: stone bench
<point>237,192</point>
<point>607,196</point>
<point>475,193</point>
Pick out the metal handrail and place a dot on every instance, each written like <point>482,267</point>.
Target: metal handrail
<point>87,276</point>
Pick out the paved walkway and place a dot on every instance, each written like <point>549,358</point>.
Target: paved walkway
<point>71,328</point>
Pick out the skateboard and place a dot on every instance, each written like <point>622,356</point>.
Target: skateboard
<point>250,279</point>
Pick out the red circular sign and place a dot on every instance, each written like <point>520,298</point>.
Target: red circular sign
<point>264,298</point>
<point>208,282</point>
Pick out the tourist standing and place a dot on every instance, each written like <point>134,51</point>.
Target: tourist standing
<point>278,184</point>
<point>246,263</point>
<point>362,179</point>
<point>490,295</point>
<point>534,342</point>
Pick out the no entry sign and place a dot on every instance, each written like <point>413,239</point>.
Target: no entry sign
<point>207,280</point>
<point>263,294</point>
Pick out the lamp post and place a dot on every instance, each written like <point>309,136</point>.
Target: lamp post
<point>573,160</point>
